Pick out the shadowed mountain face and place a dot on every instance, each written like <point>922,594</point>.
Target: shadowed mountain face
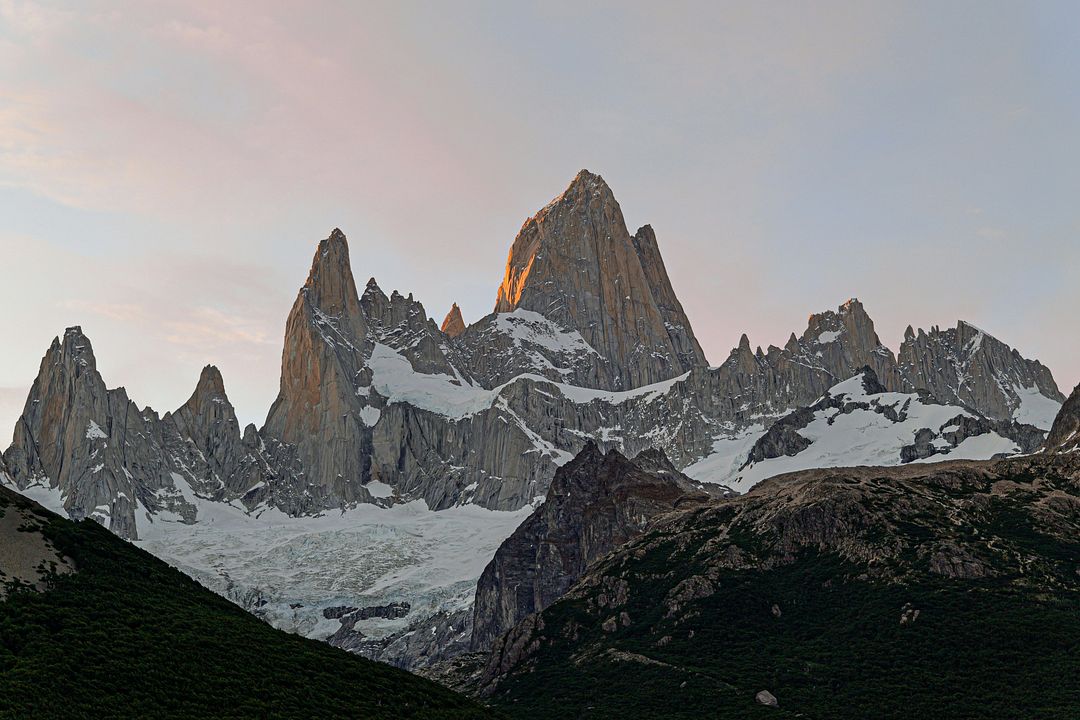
<point>1064,436</point>
<point>595,503</point>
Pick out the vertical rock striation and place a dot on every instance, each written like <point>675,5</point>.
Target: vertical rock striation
<point>967,366</point>
<point>576,264</point>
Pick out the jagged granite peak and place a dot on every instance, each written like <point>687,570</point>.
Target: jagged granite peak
<point>209,421</point>
<point>327,406</point>
<point>844,341</point>
<point>452,324</point>
<point>576,264</point>
<point>596,502</point>
<point>77,436</point>
<point>318,409</point>
<point>968,366</point>
<point>1064,435</point>
<point>330,283</point>
<point>119,465</point>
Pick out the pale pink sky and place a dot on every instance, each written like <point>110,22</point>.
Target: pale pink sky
<point>166,169</point>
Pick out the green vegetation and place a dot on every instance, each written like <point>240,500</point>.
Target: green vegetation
<point>829,637</point>
<point>129,636</point>
<point>838,650</point>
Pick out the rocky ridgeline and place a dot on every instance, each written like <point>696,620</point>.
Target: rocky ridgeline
<point>378,404</point>
<point>967,366</point>
<point>114,462</point>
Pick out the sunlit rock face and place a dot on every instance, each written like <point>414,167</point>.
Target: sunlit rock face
<point>577,265</point>
<point>452,324</point>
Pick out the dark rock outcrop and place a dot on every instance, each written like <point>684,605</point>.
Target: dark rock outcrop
<point>1065,434</point>
<point>1014,520</point>
<point>596,502</point>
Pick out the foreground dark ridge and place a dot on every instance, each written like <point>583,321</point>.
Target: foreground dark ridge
<point>125,635</point>
<point>947,590</point>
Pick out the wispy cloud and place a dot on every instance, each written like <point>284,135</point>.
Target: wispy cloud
<point>210,329</point>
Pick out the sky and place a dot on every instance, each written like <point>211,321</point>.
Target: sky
<point>167,168</point>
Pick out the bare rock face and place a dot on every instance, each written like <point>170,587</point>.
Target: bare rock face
<point>88,441</point>
<point>119,465</point>
<point>453,325</point>
<point>595,503</point>
<point>677,324</point>
<point>318,409</point>
<point>576,264</point>
<point>845,341</point>
<point>327,405</point>
<point>1065,434</point>
<point>967,366</point>
<point>208,421</point>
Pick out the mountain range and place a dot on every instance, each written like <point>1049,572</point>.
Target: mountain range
<point>425,430</point>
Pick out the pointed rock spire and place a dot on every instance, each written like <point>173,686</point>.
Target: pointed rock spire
<point>453,325</point>
<point>79,437</point>
<point>209,421</point>
<point>576,263</point>
<point>671,310</point>
<point>327,337</point>
<point>330,285</point>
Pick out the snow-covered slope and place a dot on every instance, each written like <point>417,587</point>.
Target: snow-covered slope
<point>288,570</point>
<point>857,422</point>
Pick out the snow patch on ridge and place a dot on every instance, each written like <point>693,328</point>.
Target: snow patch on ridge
<point>843,439</point>
<point>829,336</point>
<point>526,326</point>
<point>395,379</point>
<point>1034,408</point>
